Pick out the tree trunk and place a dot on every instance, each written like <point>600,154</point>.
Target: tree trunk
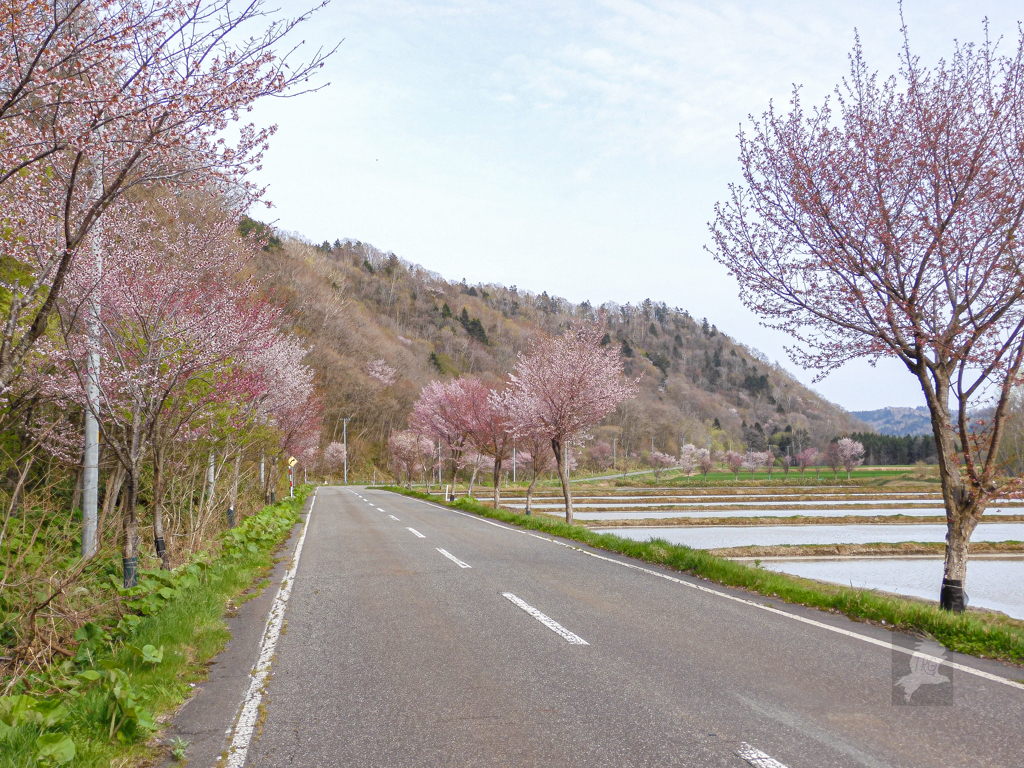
<point>158,509</point>
<point>472,480</point>
<point>964,504</point>
<point>76,496</point>
<point>497,481</point>
<point>563,476</point>
<point>234,489</point>
<point>529,489</point>
<point>456,455</point>
<point>272,478</point>
<point>111,492</point>
<point>130,529</point>
<point>19,486</point>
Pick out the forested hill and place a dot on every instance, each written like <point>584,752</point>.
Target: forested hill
<point>380,328</point>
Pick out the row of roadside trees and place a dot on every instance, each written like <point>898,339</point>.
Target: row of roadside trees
<point>130,321</point>
<point>559,390</point>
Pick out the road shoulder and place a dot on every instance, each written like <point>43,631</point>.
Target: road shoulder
<point>206,720</point>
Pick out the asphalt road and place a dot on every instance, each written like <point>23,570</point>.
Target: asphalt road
<point>540,654</point>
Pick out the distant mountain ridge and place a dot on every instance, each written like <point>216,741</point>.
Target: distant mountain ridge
<point>898,421</point>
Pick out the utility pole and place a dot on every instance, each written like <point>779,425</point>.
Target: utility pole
<point>91,454</point>
<point>344,437</point>
<point>513,462</point>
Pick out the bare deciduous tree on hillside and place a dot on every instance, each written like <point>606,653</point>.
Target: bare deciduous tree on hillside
<point>890,228</point>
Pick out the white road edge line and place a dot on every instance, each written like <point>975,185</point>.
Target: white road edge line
<point>453,558</point>
<point>416,533</point>
<point>394,518</point>
<point>548,622</point>
<point>246,724</point>
<point>756,757</point>
<point>770,609</point>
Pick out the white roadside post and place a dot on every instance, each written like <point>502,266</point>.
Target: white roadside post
<point>292,461</point>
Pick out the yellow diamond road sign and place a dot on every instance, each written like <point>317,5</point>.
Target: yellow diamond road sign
<point>292,461</point>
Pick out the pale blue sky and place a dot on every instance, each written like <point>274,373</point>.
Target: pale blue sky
<point>573,147</point>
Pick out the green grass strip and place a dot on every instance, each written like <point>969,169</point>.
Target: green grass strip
<point>987,635</point>
<point>131,671</point>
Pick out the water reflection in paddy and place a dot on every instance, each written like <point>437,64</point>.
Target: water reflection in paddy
<point>995,584</point>
<point>714,537</point>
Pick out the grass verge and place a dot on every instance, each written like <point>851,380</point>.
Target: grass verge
<point>131,669</point>
<point>979,633</point>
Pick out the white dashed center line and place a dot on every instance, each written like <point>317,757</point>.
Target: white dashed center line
<point>550,623</point>
<point>757,758</point>
<point>885,644</point>
<point>453,558</point>
<point>394,518</point>
<point>416,533</point>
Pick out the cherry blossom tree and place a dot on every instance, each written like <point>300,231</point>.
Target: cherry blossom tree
<point>476,462</point>
<point>706,461</point>
<point>833,459</point>
<point>734,460</point>
<point>99,98</point>
<point>688,459</point>
<point>805,459</point>
<point>752,460</point>
<point>662,461</point>
<point>886,224</point>
<point>440,414</point>
<point>176,316</point>
<point>406,448</point>
<point>490,427</point>
<point>565,386</point>
<point>851,454</point>
<point>534,453</point>
<point>333,457</point>
<point>381,372</point>
<point>600,454</point>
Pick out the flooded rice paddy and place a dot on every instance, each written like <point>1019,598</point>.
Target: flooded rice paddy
<point>994,584</point>
<point>997,583</point>
<point>719,537</point>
